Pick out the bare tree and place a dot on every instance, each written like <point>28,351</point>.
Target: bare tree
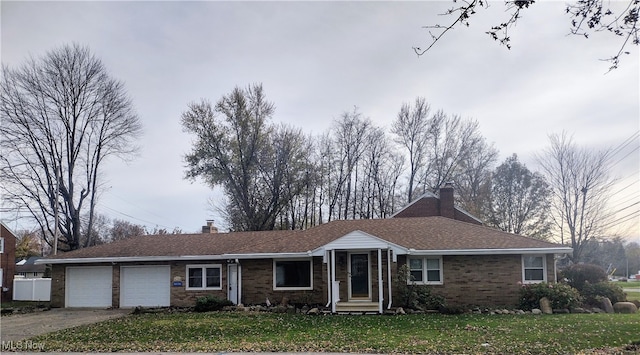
<point>121,229</point>
<point>259,166</point>
<point>452,140</point>
<point>28,244</point>
<point>472,183</point>
<point>62,117</point>
<point>411,132</point>
<point>619,18</point>
<point>382,170</point>
<point>579,179</point>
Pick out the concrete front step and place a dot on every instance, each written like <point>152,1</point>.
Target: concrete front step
<point>357,307</point>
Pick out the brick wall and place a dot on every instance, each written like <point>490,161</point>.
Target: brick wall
<point>182,297</point>
<point>57,285</point>
<point>257,284</point>
<point>482,280</point>
<point>430,206</point>
<point>7,264</point>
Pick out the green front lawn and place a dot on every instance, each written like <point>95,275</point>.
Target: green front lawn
<point>633,296</point>
<point>268,332</point>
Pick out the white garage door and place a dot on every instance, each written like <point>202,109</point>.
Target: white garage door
<point>147,286</point>
<point>88,286</point>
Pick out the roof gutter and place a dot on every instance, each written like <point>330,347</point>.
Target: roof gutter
<point>124,259</point>
<point>557,250</point>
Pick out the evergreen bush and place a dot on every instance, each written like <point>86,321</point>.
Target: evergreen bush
<point>211,303</point>
<point>561,296</point>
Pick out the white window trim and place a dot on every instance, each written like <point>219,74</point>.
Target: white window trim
<point>424,271</point>
<point>1,245</point>
<point>204,268</point>
<point>544,269</point>
<point>276,288</point>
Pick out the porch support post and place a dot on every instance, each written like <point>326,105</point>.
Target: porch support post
<point>239,284</point>
<point>389,278</point>
<point>333,281</point>
<point>380,285</point>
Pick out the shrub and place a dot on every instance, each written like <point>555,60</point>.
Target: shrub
<point>211,303</point>
<point>560,296</point>
<point>425,299</point>
<point>594,293</point>
<point>414,296</point>
<point>578,275</point>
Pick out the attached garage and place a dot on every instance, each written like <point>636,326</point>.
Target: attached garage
<point>88,286</point>
<point>146,286</point>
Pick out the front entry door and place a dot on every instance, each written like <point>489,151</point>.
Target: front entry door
<point>232,294</point>
<point>359,272</point>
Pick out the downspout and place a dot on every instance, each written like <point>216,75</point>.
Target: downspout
<point>239,283</point>
<point>380,285</point>
<point>333,280</point>
<point>389,277</point>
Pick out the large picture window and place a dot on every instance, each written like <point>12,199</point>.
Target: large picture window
<point>534,268</point>
<point>204,277</point>
<point>426,270</point>
<point>292,275</point>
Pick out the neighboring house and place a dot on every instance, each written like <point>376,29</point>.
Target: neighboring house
<point>345,265</point>
<point>7,261</point>
<point>26,268</point>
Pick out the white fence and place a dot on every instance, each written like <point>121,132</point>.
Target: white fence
<point>32,289</point>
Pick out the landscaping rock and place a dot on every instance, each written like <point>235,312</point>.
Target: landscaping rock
<point>597,310</point>
<point>536,311</point>
<point>625,307</point>
<point>400,310</point>
<point>579,310</point>
<point>314,311</point>
<point>606,305</point>
<point>520,311</point>
<point>7,311</point>
<point>545,306</point>
<point>636,302</point>
<point>561,311</point>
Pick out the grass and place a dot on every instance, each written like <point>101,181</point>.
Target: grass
<point>20,304</point>
<point>268,332</point>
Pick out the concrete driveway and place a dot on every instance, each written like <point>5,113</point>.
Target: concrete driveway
<point>21,326</point>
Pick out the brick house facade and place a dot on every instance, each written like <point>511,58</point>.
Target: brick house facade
<point>343,265</point>
<point>7,262</point>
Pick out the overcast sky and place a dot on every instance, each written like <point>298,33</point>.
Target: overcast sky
<point>318,59</point>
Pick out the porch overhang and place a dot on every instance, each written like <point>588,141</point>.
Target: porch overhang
<point>359,240</point>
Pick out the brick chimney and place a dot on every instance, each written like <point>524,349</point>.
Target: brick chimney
<point>209,228</point>
<point>446,201</point>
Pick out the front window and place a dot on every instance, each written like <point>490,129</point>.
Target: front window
<point>426,270</point>
<point>534,268</point>
<point>292,275</point>
<point>204,277</point>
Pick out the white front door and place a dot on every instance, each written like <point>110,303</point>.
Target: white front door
<point>232,283</point>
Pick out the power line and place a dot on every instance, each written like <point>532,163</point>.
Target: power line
<point>138,207</point>
<point>132,217</point>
